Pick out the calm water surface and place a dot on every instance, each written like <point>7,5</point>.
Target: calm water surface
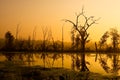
<point>105,64</point>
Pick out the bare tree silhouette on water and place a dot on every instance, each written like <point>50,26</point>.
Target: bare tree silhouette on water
<point>81,29</point>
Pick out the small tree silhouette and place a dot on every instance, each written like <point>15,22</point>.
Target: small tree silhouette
<point>9,39</point>
<point>115,38</point>
<point>81,29</point>
<point>103,39</point>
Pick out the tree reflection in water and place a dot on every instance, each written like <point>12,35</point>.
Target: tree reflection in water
<point>9,56</point>
<point>49,58</point>
<point>55,57</point>
<point>110,62</point>
<point>115,63</point>
<point>103,62</point>
<point>29,58</point>
<point>78,63</point>
<point>20,58</point>
<point>43,56</point>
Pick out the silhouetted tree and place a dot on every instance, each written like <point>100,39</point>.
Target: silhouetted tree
<point>29,44</point>
<point>33,38</point>
<point>77,42</point>
<point>82,30</point>
<point>72,38</point>
<point>9,41</point>
<point>17,31</point>
<point>115,38</point>
<point>55,45</point>
<point>103,39</point>
<point>47,36</point>
<point>20,45</point>
<point>18,42</point>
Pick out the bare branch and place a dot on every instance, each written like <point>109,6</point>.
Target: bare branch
<point>74,25</point>
<point>86,36</point>
<point>44,31</point>
<point>93,22</point>
<point>87,19</point>
<point>83,9</point>
<point>66,20</point>
<point>77,18</point>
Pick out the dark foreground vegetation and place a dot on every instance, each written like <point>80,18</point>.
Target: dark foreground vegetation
<point>9,71</point>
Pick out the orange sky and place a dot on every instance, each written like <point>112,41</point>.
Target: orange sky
<point>41,13</point>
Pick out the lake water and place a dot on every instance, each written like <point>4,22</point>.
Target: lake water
<point>105,64</point>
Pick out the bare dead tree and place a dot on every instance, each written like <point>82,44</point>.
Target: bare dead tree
<point>29,43</point>
<point>44,32</point>
<point>17,42</point>
<point>17,30</point>
<point>33,37</point>
<point>82,30</point>
<point>47,37</point>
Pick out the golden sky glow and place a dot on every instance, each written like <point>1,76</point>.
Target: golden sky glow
<point>31,13</point>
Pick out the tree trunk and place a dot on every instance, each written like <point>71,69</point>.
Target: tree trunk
<point>83,57</point>
<point>83,64</point>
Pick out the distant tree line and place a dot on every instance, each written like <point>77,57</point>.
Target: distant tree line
<point>12,44</point>
<point>109,42</point>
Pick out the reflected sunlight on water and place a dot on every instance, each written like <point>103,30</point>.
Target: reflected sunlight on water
<point>105,64</point>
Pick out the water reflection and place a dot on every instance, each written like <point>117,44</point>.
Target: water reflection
<point>78,62</point>
<point>19,58</point>
<point>75,60</point>
<point>48,59</point>
<point>29,59</point>
<point>105,63</point>
<point>43,56</point>
<point>54,57</point>
<point>110,62</point>
<point>9,56</point>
